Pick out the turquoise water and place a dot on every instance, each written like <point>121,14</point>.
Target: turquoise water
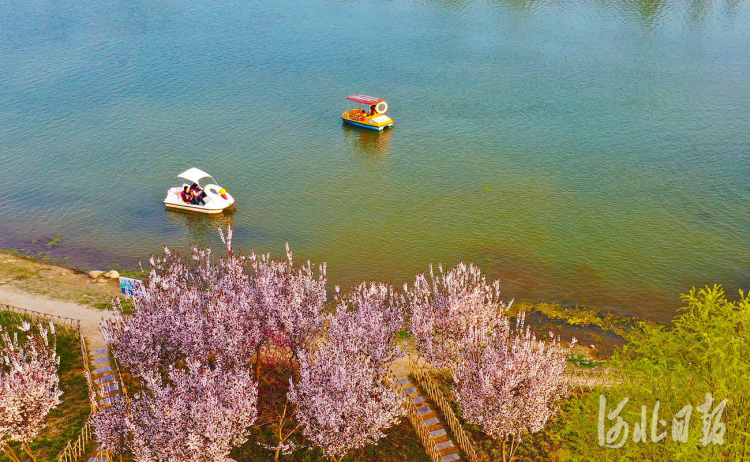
<point>582,151</point>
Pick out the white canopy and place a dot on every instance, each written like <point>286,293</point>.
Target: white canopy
<point>193,175</point>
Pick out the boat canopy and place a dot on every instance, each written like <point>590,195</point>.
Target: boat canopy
<point>193,174</point>
<point>364,99</point>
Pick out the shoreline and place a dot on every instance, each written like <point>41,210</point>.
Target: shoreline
<point>29,281</point>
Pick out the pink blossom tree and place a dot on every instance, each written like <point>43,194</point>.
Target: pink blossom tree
<point>198,415</point>
<point>29,385</point>
<point>342,401</point>
<point>509,384</point>
<point>366,322</point>
<point>196,310</point>
<point>240,312</point>
<point>288,300</point>
<point>289,303</point>
<point>445,309</point>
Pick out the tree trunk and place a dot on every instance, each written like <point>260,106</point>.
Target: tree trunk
<point>8,451</point>
<point>27,450</point>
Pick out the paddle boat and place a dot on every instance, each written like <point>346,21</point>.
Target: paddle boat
<point>217,199</point>
<point>373,117</point>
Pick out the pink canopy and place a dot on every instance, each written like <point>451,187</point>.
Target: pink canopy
<point>363,99</point>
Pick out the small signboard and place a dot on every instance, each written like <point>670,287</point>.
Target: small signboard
<point>130,286</point>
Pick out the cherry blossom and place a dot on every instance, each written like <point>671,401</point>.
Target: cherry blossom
<point>29,384</point>
<point>198,415</point>
<point>509,384</point>
<point>367,320</point>
<point>342,401</point>
<point>448,306</point>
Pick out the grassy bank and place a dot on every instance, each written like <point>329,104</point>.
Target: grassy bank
<point>59,282</point>
<point>65,422</point>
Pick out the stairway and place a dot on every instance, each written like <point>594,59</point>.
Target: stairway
<point>107,387</point>
<point>447,450</point>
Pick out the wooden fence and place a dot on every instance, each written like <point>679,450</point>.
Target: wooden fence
<point>419,372</point>
<point>76,450</point>
<point>70,323</point>
<point>416,419</point>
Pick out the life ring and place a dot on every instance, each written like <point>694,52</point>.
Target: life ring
<point>381,107</point>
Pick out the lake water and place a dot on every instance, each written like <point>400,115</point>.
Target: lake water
<point>588,151</point>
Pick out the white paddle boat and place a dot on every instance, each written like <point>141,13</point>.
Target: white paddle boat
<point>216,200</point>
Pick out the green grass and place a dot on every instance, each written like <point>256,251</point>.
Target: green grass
<point>65,422</point>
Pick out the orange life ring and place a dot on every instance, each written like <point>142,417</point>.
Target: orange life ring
<point>381,107</point>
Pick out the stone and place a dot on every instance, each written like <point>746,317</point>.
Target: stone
<point>444,445</point>
<point>95,274</point>
<point>450,457</point>
<point>431,421</point>
<point>437,433</point>
<point>112,274</point>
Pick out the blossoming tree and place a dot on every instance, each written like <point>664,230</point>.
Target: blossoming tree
<point>447,307</point>
<point>199,415</point>
<point>29,385</point>
<point>342,401</point>
<point>366,322</point>
<point>343,398</point>
<point>197,310</point>
<point>509,384</point>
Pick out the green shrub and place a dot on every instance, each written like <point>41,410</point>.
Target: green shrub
<point>706,351</point>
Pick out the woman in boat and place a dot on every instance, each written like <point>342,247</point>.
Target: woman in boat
<point>197,195</point>
<point>372,111</point>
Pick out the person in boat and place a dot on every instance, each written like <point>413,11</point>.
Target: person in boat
<point>197,191</point>
<point>186,196</point>
<point>197,195</point>
<point>372,111</point>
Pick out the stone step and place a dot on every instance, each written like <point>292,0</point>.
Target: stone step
<point>109,389</point>
<point>105,379</point>
<point>431,421</point>
<point>104,359</point>
<point>444,445</point>
<point>107,401</point>
<point>102,370</point>
<point>437,433</point>
<point>450,457</point>
<point>403,381</point>
<point>99,458</point>
<point>417,400</point>
<point>100,351</point>
<point>410,390</point>
<point>424,410</point>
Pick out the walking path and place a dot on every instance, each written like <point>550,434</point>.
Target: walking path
<point>447,450</point>
<point>90,317</point>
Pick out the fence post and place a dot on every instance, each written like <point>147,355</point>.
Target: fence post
<point>416,420</point>
<point>439,399</point>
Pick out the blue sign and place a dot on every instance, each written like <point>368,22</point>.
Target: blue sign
<point>132,287</point>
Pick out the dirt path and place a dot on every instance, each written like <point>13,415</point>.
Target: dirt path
<point>90,317</point>
<point>57,290</point>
